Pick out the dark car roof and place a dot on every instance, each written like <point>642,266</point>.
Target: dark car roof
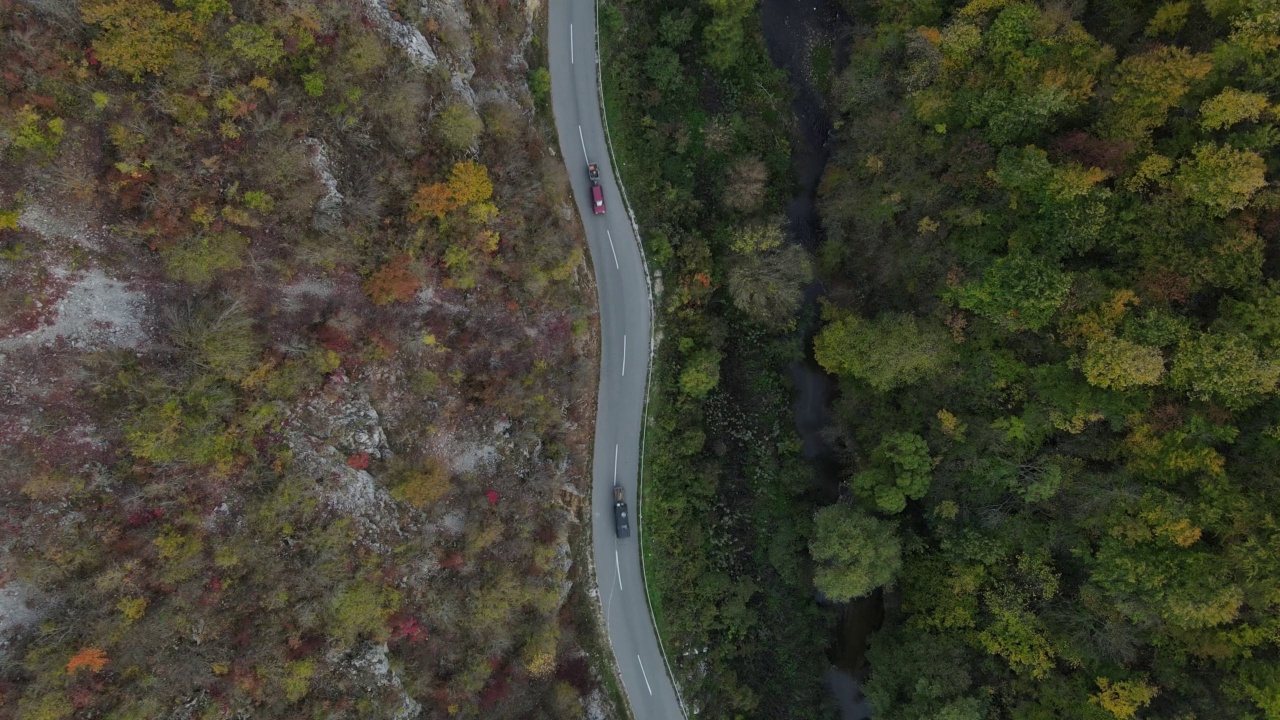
<point>621,519</point>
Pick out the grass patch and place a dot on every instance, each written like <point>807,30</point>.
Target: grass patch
<point>822,68</point>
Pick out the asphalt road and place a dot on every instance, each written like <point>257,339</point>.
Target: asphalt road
<point>624,359</point>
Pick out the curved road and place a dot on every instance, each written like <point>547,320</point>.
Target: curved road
<point>624,359</point>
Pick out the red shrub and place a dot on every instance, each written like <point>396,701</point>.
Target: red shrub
<point>393,282</point>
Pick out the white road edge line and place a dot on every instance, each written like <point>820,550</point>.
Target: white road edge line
<point>584,144</point>
<point>617,567</point>
<point>624,356</point>
<point>570,43</point>
<point>615,463</point>
<point>645,674</point>
<point>612,250</point>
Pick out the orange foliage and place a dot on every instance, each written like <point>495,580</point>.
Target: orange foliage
<point>91,657</point>
<point>393,281</point>
<point>469,183</point>
<point>431,201</point>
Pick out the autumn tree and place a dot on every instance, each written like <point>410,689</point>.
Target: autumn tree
<point>92,659</point>
<point>1223,178</point>
<point>1232,106</point>
<point>423,485</point>
<point>1147,86</point>
<point>757,237</point>
<point>394,282</point>
<point>1111,362</point>
<point>1124,698</point>
<point>139,37</point>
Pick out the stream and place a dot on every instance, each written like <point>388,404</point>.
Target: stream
<point>793,31</point>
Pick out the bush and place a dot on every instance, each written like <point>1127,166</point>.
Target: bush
<point>458,126</point>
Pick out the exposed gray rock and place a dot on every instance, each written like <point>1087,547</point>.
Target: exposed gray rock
<point>406,37</point>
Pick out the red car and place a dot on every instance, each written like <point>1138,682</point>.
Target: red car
<point>597,192</point>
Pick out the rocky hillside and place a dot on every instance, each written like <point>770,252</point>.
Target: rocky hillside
<point>296,364</point>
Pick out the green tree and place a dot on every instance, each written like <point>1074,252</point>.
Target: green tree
<point>888,352</point>
<point>256,44</point>
<point>216,335</point>
<point>1147,86</point>
<point>1110,362</point>
<point>540,85</point>
<point>203,257</point>
<point>760,236</point>
<point>901,470</point>
<point>1224,368</point>
<point>138,36</point>
<point>1019,291</point>
<point>1256,316</point>
<point>1221,177</point>
<point>1169,18</point>
<point>922,674</point>
<point>675,28</point>
<point>726,33</point>
<point>664,69</point>
<point>459,126</point>
<point>1232,106</point>
<point>701,373</point>
<point>854,553</point>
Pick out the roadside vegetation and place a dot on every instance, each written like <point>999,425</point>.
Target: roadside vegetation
<point>699,119</point>
<point>296,359</point>
<point>1053,255</point>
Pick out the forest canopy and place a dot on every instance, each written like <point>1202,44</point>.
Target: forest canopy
<point>1053,245</point>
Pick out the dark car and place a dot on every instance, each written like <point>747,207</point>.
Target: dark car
<point>597,192</point>
<point>621,523</point>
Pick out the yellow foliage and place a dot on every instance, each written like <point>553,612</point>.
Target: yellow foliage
<point>9,219</point>
<point>139,36</point>
<point>1157,456</point>
<point>980,7</point>
<point>540,654</point>
<point>951,425</point>
<point>1123,698</point>
<point>425,485</point>
<point>1100,321</point>
<point>132,608</point>
<point>469,182</point>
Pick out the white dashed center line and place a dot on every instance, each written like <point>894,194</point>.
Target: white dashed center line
<point>645,674</point>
